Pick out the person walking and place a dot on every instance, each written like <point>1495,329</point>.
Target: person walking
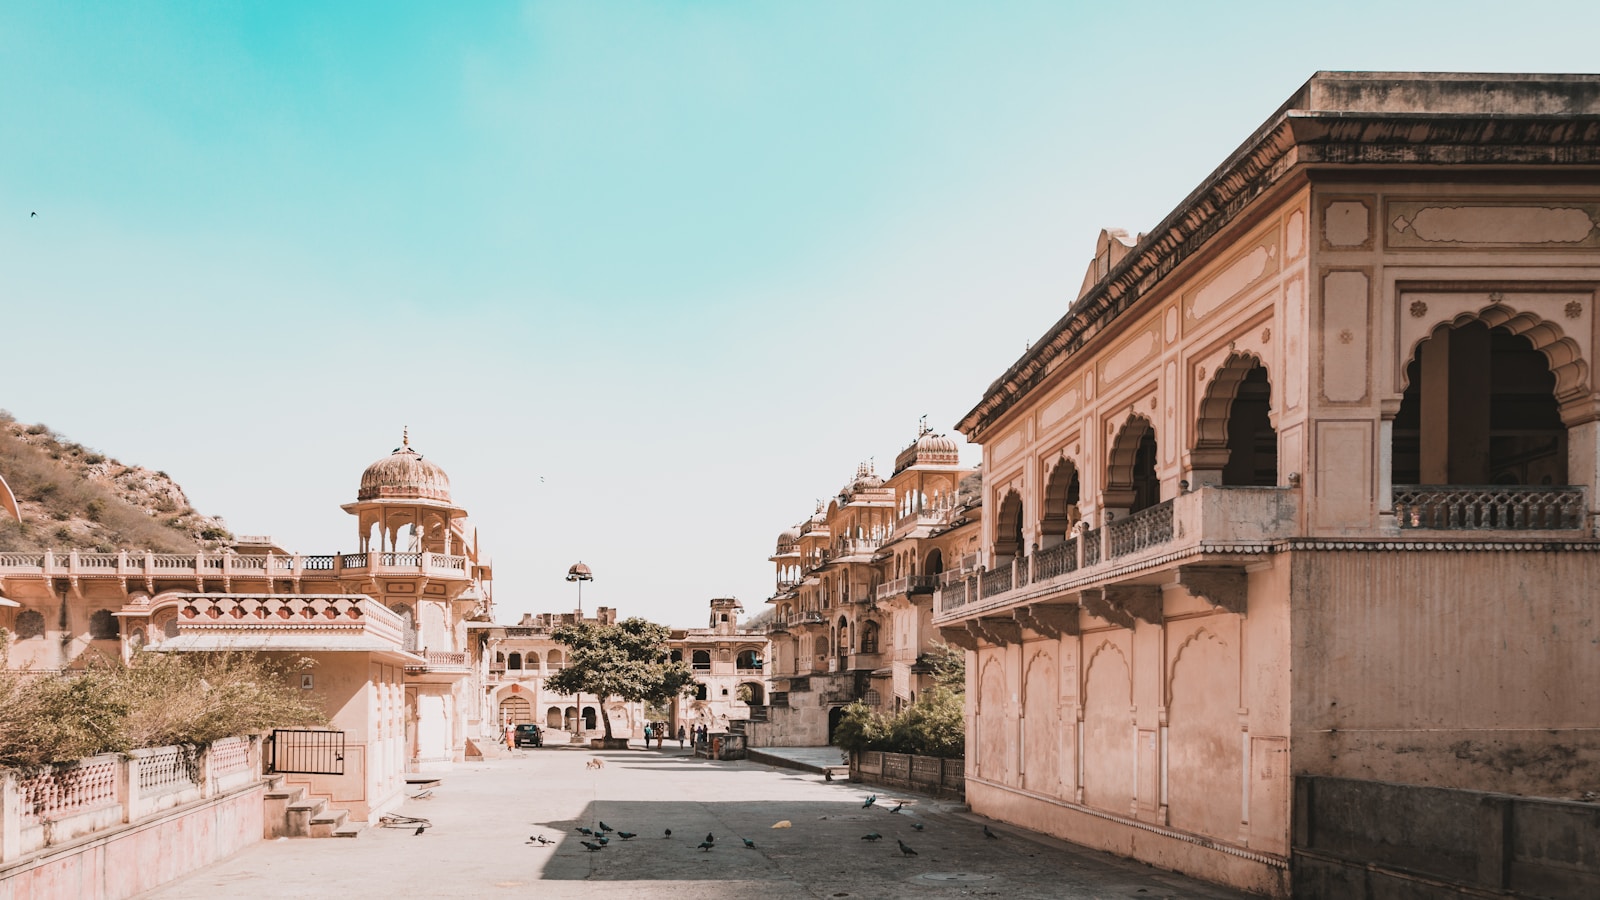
<point>681,735</point>
<point>647,735</point>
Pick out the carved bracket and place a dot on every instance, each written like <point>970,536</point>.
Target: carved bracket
<point>1050,621</point>
<point>996,630</point>
<point>1123,605</point>
<point>957,636</point>
<point>1221,587</point>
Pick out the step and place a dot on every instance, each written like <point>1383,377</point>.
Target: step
<point>422,782</point>
<point>298,817</point>
<point>325,823</point>
<point>275,806</point>
<point>347,830</point>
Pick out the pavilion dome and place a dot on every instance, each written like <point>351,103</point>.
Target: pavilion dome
<point>929,449</point>
<point>404,475</point>
<point>788,538</point>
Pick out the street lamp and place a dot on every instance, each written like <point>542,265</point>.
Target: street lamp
<point>580,573</point>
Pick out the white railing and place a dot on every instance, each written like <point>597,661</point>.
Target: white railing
<point>1146,528</point>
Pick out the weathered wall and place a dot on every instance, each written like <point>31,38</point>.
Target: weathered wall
<point>1454,669</point>
<point>140,857</point>
<point>1177,729</point>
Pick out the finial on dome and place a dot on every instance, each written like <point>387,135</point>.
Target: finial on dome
<point>405,436</point>
<point>922,425</point>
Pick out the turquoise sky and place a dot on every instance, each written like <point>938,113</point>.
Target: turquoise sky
<point>647,279</point>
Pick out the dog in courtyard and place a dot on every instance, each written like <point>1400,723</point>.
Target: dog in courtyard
<point>595,764</point>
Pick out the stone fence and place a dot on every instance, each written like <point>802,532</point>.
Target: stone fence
<point>924,774</point>
<point>56,805</point>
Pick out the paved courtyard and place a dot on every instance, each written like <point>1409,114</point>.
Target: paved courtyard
<point>484,813</point>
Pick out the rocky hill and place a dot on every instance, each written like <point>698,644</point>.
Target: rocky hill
<point>73,497</point>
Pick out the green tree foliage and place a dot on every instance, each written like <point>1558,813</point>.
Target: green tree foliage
<point>949,665</point>
<point>628,660</point>
<point>161,699</point>
<point>933,726</point>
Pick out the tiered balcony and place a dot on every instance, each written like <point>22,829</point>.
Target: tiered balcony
<point>1224,520</point>
<point>911,584</point>
<point>1488,508</point>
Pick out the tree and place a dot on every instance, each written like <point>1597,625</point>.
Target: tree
<point>628,659</point>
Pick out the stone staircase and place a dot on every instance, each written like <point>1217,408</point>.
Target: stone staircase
<point>291,812</point>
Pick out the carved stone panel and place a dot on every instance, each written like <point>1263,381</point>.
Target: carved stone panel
<point>1532,224</point>
<point>1346,329</point>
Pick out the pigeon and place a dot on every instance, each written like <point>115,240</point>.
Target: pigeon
<point>420,829</point>
<point>583,830</point>
<point>605,827</point>
<point>898,808</point>
<point>989,834</point>
<point>667,834</point>
<point>870,800</point>
<point>917,825</point>
<point>706,845</point>
<point>33,215</point>
<point>602,839</point>
<point>873,836</point>
<point>711,838</point>
<point>749,843</point>
<point>626,834</point>
<point>905,850</point>
<point>539,839</point>
<point>592,847</point>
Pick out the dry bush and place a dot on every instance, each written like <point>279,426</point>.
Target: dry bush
<point>162,699</point>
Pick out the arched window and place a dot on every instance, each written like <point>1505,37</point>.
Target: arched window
<point>675,656</point>
<point>844,636</point>
<point>1008,528</point>
<point>554,660</point>
<point>748,659</point>
<point>1060,504</point>
<point>552,717</point>
<point>1131,482</point>
<point>30,624</point>
<point>752,693</point>
<point>531,662</point>
<point>700,690</point>
<point>869,637</point>
<point>514,661</point>
<point>589,718</point>
<point>701,660</point>
<point>934,564</point>
<point>408,626</point>
<point>1479,409</point>
<point>1235,443</point>
<point>103,626</point>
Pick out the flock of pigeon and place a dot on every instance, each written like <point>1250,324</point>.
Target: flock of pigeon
<point>598,838</point>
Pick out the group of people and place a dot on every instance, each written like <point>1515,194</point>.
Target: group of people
<point>661,731</point>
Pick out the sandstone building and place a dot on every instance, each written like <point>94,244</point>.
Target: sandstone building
<point>1288,524</point>
<point>384,626</point>
<point>853,606</point>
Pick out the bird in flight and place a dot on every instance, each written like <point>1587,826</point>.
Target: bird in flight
<point>905,850</point>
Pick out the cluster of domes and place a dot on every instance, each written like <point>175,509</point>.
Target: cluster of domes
<point>404,475</point>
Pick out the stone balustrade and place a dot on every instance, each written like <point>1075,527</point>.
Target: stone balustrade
<point>51,563</point>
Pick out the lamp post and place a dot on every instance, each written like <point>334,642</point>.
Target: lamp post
<point>580,573</point>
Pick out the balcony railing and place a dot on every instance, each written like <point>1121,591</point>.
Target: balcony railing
<point>1148,527</point>
<point>953,595</point>
<point>995,581</point>
<point>1057,560</point>
<point>1091,547</point>
<point>1488,508</point>
<point>126,563</point>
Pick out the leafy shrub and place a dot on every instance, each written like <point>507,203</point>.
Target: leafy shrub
<point>933,726</point>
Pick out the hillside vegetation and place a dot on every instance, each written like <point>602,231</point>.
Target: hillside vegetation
<point>73,497</point>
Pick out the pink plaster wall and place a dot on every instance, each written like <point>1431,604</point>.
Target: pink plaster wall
<point>141,857</point>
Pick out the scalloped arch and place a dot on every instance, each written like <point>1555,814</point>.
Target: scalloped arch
<point>1083,690</point>
<point>1177,655</point>
<point>1009,510</point>
<point>984,673</point>
<point>1566,357</point>
<point>1119,462</point>
<point>1211,422</point>
<point>1058,484</point>
<point>1042,655</point>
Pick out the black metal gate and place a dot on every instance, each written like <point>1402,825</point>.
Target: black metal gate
<point>307,752</point>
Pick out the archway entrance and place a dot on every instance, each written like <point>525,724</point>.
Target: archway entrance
<point>834,715</point>
<point>1235,443</point>
<point>1131,481</point>
<point>1479,409</point>
<point>515,711</point>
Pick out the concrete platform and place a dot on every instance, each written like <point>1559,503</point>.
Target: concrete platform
<point>481,817</point>
<point>804,759</point>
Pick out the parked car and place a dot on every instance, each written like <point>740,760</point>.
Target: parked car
<point>529,735</point>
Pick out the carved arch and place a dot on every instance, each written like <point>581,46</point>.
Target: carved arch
<point>1564,354</point>
<point>1062,494</point>
<point>1083,688</point>
<point>1008,525</point>
<point>1211,420</point>
<point>984,673</point>
<point>1042,654</point>
<point>1177,656</point>
<point>1119,462</point>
